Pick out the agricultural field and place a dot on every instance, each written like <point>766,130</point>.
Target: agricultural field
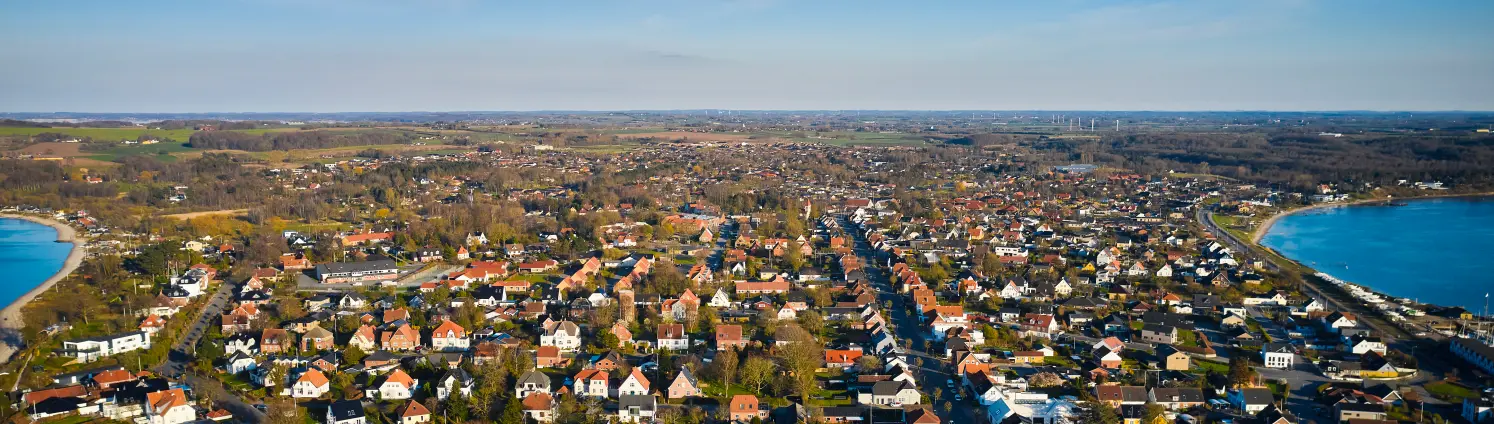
<point>100,134</point>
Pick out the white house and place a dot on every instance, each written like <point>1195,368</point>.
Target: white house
<point>169,407</point>
<point>454,381</point>
<point>564,335</point>
<point>720,299</point>
<point>635,384</point>
<point>1365,344</point>
<point>1278,355</point>
<point>449,337</point>
<point>311,384</point>
<point>636,409</point>
<point>396,385</point>
<point>673,337</point>
<point>591,383</point>
<point>345,412</point>
<point>93,348</point>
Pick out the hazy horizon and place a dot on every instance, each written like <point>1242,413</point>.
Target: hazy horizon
<point>451,56</point>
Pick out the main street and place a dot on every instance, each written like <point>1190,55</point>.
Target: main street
<point>179,360</point>
<point>930,370</point>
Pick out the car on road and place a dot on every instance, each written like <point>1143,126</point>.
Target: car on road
<point>949,383</point>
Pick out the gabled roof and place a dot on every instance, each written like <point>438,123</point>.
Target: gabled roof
<point>412,409</point>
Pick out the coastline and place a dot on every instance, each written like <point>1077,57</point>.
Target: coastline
<point>1265,227</point>
<point>11,318</point>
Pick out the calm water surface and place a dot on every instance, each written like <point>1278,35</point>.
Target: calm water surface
<point>29,255</point>
<point>1435,250</point>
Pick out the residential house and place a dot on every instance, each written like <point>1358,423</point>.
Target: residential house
<point>531,382</point>
<point>1250,400</point>
<point>449,337</point>
<point>636,408</point>
<point>397,385</point>
<point>311,384</point>
<point>591,383</point>
<point>673,337</point>
<point>169,407</point>
<point>413,412</point>
<point>455,380</point>
<point>345,412</point>
<point>729,336</point>
<point>744,408</point>
<point>1278,355</point>
<point>539,407</point>
<point>684,385</point>
<point>634,384</point>
<point>563,335</point>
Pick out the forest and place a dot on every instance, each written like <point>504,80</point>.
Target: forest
<point>228,140</point>
<point>1300,159</point>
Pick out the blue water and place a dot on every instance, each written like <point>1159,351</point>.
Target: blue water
<point>29,255</point>
<point>1435,250</point>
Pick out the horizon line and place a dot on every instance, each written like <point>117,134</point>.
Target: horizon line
<point>775,110</point>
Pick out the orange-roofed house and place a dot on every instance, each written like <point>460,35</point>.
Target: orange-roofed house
<point>729,336</point>
<point>311,384</point>
<point>449,337</point>
<point>169,407</point>
<point>635,384</point>
<point>396,385</point>
<point>744,408</point>
<point>152,324</point>
<point>539,407</point>
<point>841,358</point>
<point>413,412</point>
<point>111,378</point>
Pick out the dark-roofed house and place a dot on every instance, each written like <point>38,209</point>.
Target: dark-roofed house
<point>357,272</point>
<point>636,408</point>
<point>1159,333</point>
<point>1478,354</point>
<point>345,412</point>
<point>1250,400</point>
<point>1177,398</point>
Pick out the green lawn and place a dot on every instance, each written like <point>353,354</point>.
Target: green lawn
<point>1450,391</point>
<point>1208,366</point>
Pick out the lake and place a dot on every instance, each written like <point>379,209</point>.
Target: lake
<point>29,255</point>
<point>1433,250</point>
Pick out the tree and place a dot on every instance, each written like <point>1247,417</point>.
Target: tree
<point>1100,413</point>
<point>802,359</point>
<point>1240,373</point>
<point>869,363</point>
<point>512,412</point>
<point>726,367</point>
<point>812,322</point>
<point>1153,411</point>
<point>1046,379</point>
<point>757,372</point>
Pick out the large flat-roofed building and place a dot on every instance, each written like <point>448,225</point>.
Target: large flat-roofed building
<point>357,272</point>
<point>93,348</point>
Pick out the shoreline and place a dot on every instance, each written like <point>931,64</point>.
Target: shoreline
<point>1265,227</point>
<point>11,318</point>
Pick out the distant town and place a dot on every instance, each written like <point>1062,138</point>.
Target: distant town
<point>728,266</point>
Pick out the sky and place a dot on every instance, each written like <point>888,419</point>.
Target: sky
<point>144,56</point>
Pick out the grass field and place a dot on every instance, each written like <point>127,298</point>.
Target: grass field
<point>100,134</point>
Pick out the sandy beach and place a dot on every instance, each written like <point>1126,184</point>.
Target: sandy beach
<point>11,320</point>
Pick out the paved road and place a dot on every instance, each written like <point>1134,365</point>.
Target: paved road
<point>179,360</point>
<point>930,370</point>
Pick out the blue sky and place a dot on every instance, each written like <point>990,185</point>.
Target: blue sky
<point>444,55</point>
